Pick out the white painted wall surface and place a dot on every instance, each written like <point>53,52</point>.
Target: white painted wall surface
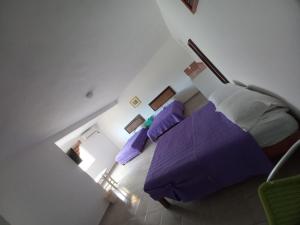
<point>206,82</point>
<point>256,42</point>
<point>101,148</point>
<point>164,69</point>
<point>43,186</point>
<point>104,152</point>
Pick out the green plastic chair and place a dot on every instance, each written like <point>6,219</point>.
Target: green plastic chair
<point>281,198</point>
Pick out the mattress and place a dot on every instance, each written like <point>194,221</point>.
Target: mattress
<point>201,155</point>
<point>166,119</point>
<point>273,127</point>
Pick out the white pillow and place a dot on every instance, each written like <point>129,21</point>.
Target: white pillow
<point>225,91</point>
<point>245,107</point>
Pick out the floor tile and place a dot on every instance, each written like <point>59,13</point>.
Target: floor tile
<point>142,208</point>
<point>153,218</point>
<point>256,210</point>
<point>136,221</point>
<point>153,206</point>
<point>170,218</point>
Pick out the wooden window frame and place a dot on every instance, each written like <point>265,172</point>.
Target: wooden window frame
<point>153,102</point>
<point>129,127</point>
<point>207,62</point>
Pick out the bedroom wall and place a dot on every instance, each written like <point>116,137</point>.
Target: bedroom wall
<point>207,82</point>
<point>97,145</point>
<point>256,42</point>
<point>104,152</point>
<point>42,185</point>
<point>165,68</point>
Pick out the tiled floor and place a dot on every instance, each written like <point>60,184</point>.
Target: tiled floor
<point>236,205</point>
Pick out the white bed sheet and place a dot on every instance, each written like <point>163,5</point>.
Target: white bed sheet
<point>273,127</point>
<point>263,116</point>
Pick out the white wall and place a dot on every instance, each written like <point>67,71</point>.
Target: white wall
<point>207,82</point>
<point>256,41</point>
<point>101,148</point>
<point>104,152</point>
<point>42,185</point>
<point>165,68</point>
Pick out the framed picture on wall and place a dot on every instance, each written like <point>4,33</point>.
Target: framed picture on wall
<point>162,98</point>
<point>134,124</point>
<point>135,102</point>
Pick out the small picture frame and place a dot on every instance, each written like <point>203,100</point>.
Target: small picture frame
<point>135,102</point>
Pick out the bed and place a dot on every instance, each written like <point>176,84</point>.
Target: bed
<point>166,119</point>
<point>218,145</point>
<point>133,147</point>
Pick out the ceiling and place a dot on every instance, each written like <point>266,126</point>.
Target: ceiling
<point>53,52</point>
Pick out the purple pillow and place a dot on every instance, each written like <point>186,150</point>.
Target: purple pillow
<point>166,119</point>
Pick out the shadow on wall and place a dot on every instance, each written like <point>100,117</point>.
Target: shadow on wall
<point>3,221</point>
<point>186,94</point>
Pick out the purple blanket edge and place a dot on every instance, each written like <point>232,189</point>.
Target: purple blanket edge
<point>133,147</point>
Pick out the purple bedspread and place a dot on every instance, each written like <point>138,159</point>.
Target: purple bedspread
<point>134,146</point>
<point>166,119</point>
<point>203,154</point>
